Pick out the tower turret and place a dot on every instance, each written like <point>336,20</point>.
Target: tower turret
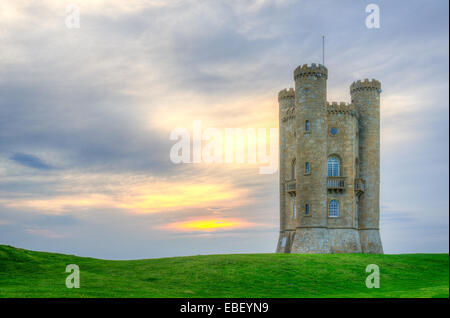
<point>286,101</point>
<point>366,96</point>
<point>311,102</point>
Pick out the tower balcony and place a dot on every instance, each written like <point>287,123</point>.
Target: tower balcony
<point>336,184</point>
<point>360,186</point>
<point>291,186</point>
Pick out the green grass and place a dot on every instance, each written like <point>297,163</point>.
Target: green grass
<point>26,273</point>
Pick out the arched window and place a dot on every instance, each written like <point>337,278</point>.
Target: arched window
<point>357,204</point>
<point>333,208</point>
<point>294,173</point>
<point>307,169</point>
<point>307,125</point>
<point>333,167</point>
<point>294,208</point>
<point>283,241</point>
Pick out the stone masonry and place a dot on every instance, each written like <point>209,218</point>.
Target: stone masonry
<point>329,167</point>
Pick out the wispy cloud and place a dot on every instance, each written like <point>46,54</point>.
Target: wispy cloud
<point>132,194</point>
<point>46,233</point>
<point>30,161</point>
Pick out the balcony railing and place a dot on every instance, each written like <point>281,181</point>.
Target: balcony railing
<point>360,185</point>
<point>336,183</point>
<point>291,186</point>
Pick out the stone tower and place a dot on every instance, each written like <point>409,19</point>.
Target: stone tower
<point>329,167</point>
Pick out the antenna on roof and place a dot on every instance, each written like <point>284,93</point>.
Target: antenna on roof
<point>323,50</point>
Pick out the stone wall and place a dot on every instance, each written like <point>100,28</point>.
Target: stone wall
<point>343,230</point>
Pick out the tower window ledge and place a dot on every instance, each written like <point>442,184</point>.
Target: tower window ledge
<point>336,183</point>
<point>291,186</point>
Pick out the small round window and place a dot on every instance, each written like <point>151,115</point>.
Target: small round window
<point>334,131</point>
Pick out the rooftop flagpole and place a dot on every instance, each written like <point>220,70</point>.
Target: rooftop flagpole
<point>323,50</point>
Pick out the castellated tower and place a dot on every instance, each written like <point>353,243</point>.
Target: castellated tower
<point>329,167</point>
<point>366,97</point>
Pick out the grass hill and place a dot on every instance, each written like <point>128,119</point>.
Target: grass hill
<point>26,273</point>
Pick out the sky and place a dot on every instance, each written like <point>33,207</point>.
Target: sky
<point>86,116</point>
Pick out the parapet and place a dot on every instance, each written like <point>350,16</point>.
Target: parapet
<point>342,108</point>
<point>283,94</point>
<point>311,70</point>
<point>365,85</point>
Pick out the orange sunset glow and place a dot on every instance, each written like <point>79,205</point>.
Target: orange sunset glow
<point>142,197</point>
<point>209,225</point>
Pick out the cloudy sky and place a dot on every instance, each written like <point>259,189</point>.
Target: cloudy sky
<point>86,115</point>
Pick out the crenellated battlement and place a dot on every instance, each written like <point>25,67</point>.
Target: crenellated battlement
<point>342,108</point>
<point>317,70</point>
<point>365,85</point>
<point>340,104</point>
<point>285,93</point>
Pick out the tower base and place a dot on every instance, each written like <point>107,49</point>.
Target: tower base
<point>371,241</point>
<point>285,241</point>
<point>325,241</point>
<point>311,240</point>
<point>344,241</point>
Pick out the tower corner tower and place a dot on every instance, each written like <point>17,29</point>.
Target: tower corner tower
<point>366,97</point>
<point>286,101</point>
<point>311,235</point>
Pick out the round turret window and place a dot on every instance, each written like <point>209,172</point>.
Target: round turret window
<point>334,131</point>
